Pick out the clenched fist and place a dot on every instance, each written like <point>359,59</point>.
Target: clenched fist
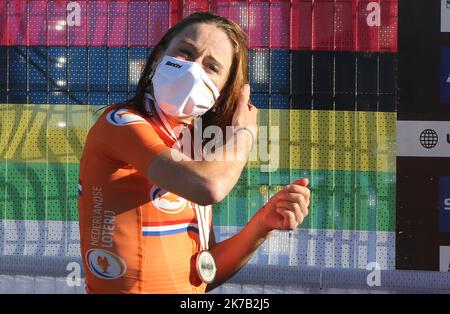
<point>287,208</point>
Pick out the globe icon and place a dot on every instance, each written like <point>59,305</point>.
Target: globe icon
<point>428,138</point>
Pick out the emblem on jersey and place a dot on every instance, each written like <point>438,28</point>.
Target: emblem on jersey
<point>166,202</point>
<point>122,117</point>
<point>105,265</point>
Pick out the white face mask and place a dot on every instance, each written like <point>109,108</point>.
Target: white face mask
<point>182,88</point>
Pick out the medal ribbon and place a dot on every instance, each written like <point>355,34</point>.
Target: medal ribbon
<point>161,120</point>
<point>203,214</point>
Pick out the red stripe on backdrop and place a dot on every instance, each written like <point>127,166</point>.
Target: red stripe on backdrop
<point>323,33</point>
<point>56,23</point>
<point>78,34</point>
<point>333,25</point>
<point>97,23</point>
<point>118,27</point>
<point>189,7</point>
<point>37,23</point>
<point>16,23</point>
<point>138,24</point>
<point>345,26</point>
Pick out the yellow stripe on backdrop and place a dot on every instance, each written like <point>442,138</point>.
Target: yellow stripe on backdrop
<point>333,140</point>
<point>44,133</point>
<point>308,139</point>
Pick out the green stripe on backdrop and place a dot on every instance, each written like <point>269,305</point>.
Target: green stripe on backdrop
<point>341,200</point>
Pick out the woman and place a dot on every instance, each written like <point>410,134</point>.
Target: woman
<point>144,207</point>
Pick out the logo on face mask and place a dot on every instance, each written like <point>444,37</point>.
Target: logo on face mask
<point>175,65</point>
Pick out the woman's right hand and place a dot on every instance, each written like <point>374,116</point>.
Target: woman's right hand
<point>245,114</point>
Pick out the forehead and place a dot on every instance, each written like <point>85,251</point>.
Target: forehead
<point>209,39</point>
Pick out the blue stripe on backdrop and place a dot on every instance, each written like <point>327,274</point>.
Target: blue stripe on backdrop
<point>37,57</point>
<point>78,74</point>
<point>280,79</point>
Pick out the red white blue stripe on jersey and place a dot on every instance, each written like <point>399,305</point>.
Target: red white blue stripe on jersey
<point>163,228</point>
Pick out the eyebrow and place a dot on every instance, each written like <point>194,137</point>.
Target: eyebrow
<point>184,41</point>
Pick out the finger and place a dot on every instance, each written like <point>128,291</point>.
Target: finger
<point>293,207</point>
<point>284,215</point>
<point>291,197</point>
<point>250,104</point>
<point>300,201</point>
<point>293,188</point>
<point>296,198</point>
<point>303,182</point>
<point>289,222</point>
<point>244,95</point>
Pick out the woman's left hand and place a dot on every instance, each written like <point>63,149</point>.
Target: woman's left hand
<point>287,208</point>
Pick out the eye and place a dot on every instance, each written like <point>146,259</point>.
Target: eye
<point>213,68</point>
<point>185,53</point>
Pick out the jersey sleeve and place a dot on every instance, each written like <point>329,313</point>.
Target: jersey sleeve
<point>131,139</point>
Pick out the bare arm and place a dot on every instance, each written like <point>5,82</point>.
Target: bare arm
<point>202,182</point>
<point>233,253</point>
<point>284,211</point>
<point>208,182</point>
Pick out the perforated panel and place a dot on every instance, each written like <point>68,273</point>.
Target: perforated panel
<point>321,76</point>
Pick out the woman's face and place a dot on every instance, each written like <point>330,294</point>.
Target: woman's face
<point>207,45</point>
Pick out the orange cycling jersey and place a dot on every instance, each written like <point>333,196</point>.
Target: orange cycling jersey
<point>135,236</point>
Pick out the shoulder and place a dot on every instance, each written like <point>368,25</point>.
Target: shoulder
<point>120,123</point>
<point>120,116</point>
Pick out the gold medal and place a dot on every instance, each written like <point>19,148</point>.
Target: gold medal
<point>206,266</point>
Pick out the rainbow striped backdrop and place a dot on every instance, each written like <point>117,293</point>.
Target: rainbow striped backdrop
<point>319,70</point>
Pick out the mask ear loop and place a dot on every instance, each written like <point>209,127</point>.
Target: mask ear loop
<point>150,92</point>
<point>149,87</point>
